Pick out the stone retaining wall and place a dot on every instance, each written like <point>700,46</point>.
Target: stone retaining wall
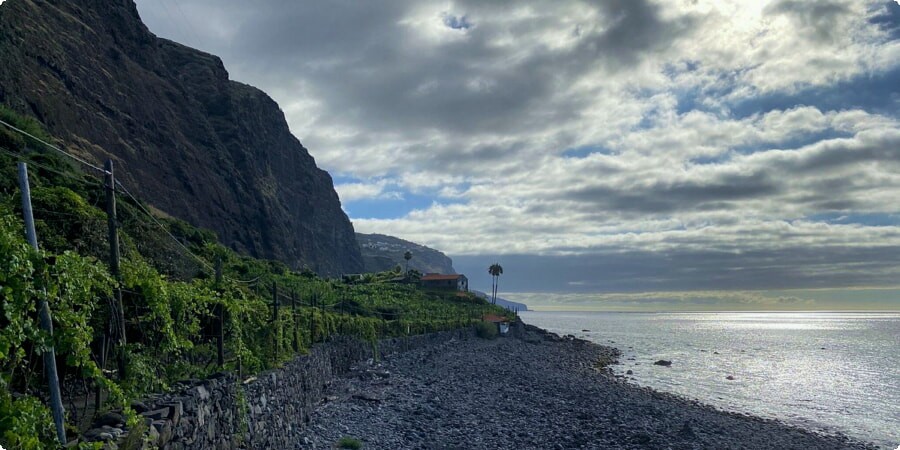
<point>269,410</point>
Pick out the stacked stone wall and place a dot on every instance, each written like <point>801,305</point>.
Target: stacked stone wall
<point>270,409</point>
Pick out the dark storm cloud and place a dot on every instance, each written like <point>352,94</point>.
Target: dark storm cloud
<point>376,73</point>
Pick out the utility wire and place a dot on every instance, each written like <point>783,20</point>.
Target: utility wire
<point>203,262</point>
<point>188,22</point>
<point>18,130</point>
<point>162,227</point>
<point>251,281</point>
<point>25,158</point>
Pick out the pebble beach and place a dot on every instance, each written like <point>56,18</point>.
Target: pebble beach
<point>533,391</point>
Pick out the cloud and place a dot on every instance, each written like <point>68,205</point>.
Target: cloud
<point>691,142</point>
<point>823,21</point>
<point>352,192</point>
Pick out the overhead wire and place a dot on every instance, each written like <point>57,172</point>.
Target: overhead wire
<point>250,281</point>
<point>159,224</point>
<point>30,161</point>
<point>162,227</point>
<point>188,22</point>
<point>202,261</point>
<point>76,158</point>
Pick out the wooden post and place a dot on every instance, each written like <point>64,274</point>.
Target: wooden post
<point>296,342</point>
<point>312,319</point>
<point>117,313</point>
<point>220,335</point>
<point>49,354</point>
<point>275,316</point>
<point>274,301</point>
<point>343,298</point>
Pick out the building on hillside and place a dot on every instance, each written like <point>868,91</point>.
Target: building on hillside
<point>451,282</point>
<point>501,322</point>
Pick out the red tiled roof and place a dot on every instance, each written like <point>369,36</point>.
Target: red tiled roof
<point>440,277</point>
<point>494,318</point>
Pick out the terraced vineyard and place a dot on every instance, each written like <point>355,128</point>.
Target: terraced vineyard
<point>181,319</point>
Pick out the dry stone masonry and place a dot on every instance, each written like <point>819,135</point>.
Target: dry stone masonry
<point>269,410</point>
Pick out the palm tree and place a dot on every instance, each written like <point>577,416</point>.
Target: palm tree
<point>495,270</point>
<point>407,256</point>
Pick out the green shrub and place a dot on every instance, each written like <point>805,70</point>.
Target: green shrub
<point>486,330</point>
<point>350,443</point>
<point>171,301</point>
<point>24,423</point>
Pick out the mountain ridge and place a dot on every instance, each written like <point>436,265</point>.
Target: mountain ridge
<point>382,252</point>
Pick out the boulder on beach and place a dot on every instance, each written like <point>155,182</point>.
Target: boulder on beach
<point>663,362</point>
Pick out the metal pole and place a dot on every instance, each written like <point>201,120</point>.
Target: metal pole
<point>44,310</point>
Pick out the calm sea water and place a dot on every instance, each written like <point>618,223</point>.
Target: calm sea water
<point>822,371</point>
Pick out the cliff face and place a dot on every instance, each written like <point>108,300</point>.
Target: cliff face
<point>381,253</point>
<point>194,144</point>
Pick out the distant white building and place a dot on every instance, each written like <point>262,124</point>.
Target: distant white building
<point>457,282</point>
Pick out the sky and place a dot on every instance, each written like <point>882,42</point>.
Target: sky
<point>620,154</point>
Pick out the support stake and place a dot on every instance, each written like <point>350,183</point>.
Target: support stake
<point>56,405</point>
<point>117,312</point>
<point>220,336</point>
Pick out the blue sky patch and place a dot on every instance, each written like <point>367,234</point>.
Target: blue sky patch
<point>587,150</point>
<point>875,93</point>
<point>867,219</point>
<point>393,208</point>
<point>457,22</point>
<point>889,19</point>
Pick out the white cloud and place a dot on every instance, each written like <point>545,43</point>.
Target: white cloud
<point>721,126</point>
<point>352,192</point>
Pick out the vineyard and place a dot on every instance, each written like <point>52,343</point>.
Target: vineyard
<point>189,306</point>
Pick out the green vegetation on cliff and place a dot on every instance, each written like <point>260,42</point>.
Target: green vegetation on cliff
<point>173,304</point>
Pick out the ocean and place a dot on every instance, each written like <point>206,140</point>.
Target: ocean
<point>825,371</point>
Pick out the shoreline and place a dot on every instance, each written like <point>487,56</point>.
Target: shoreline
<point>534,390</point>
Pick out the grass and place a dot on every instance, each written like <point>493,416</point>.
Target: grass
<point>486,330</point>
<point>349,443</point>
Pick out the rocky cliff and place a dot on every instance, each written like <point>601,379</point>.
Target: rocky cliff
<point>193,143</point>
<point>381,252</point>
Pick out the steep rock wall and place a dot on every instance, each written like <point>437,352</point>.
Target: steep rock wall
<point>196,145</point>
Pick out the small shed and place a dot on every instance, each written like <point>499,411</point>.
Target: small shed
<point>457,282</point>
<point>501,322</point>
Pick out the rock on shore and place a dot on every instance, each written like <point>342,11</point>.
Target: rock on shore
<point>540,391</point>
